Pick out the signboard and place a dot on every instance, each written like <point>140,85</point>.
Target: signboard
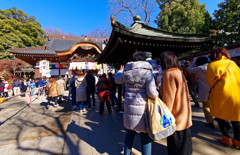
<point>44,66</point>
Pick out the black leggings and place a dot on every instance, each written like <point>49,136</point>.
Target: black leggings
<point>223,125</point>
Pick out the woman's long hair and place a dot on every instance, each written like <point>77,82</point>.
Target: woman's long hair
<point>169,60</point>
<point>218,53</point>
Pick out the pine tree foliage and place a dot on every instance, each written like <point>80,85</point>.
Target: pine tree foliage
<point>183,16</point>
<point>227,23</point>
<point>17,29</point>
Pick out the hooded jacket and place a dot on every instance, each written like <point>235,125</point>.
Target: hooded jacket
<point>139,84</point>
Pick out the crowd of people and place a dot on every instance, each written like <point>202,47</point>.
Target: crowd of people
<point>83,88</point>
<point>19,86</point>
<point>212,81</point>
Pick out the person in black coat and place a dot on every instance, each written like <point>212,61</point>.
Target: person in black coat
<point>23,87</point>
<point>90,89</point>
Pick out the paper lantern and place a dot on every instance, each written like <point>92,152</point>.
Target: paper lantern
<point>86,65</point>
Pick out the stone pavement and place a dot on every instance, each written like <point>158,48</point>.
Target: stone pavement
<point>38,131</point>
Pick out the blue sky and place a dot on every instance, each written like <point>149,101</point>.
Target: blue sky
<point>73,16</point>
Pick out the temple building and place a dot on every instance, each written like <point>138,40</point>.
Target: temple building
<point>64,54</point>
<point>124,41</point>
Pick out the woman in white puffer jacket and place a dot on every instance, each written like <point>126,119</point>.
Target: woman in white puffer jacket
<point>139,84</point>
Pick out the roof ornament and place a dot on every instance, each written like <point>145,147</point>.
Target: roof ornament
<point>113,21</point>
<point>136,18</point>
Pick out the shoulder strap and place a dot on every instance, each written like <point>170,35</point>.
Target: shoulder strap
<point>221,75</point>
<point>103,84</point>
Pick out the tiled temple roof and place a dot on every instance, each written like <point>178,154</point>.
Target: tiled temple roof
<point>58,44</point>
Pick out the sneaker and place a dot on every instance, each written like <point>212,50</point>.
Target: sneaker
<point>80,107</point>
<point>47,107</point>
<point>55,105</point>
<point>74,107</point>
<point>84,108</point>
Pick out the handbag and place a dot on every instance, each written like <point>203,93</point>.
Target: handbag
<point>159,120</point>
<point>218,80</point>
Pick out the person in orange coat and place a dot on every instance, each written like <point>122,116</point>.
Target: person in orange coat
<point>223,80</point>
<point>175,95</point>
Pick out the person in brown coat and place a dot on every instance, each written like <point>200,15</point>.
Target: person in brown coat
<point>52,91</point>
<point>175,95</point>
<point>61,84</point>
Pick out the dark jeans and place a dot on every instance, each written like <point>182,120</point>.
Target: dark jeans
<point>101,108</point>
<point>146,143</point>
<point>89,96</point>
<point>60,99</point>
<point>223,125</point>
<point>180,143</point>
<point>193,92</point>
<point>113,97</point>
<point>73,92</point>
<point>54,99</point>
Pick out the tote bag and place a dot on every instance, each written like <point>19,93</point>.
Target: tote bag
<point>159,120</point>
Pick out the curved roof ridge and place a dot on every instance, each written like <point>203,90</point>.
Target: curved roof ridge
<point>137,25</point>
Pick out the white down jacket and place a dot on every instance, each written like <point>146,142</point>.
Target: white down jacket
<point>139,84</point>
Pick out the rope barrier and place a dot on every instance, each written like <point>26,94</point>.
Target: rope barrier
<point>30,95</point>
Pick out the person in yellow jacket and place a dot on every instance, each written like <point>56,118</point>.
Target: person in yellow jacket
<point>223,80</point>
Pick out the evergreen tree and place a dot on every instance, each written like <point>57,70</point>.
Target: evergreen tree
<point>18,30</point>
<point>227,23</point>
<point>183,16</point>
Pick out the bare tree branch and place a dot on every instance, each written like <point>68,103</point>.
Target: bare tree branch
<point>126,9</point>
